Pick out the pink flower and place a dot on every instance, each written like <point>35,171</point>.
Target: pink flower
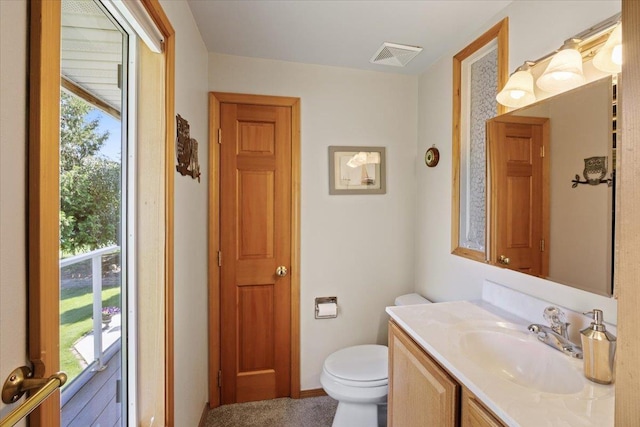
<point>110,310</point>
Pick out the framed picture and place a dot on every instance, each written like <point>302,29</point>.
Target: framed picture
<point>357,170</point>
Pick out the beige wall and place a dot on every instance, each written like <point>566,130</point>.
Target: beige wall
<point>443,276</point>
<point>190,220</point>
<point>358,248</point>
<point>13,150</point>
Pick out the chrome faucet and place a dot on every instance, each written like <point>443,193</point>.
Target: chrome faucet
<point>557,320</point>
<point>557,334</point>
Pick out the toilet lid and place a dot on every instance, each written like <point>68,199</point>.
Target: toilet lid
<point>359,363</point>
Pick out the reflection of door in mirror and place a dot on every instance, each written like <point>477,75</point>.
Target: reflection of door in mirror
<point>519,193</point>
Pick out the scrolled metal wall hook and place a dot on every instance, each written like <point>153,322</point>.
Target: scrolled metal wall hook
<point>595,170</point>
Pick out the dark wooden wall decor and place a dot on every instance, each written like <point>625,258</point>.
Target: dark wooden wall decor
<point>187,150</point>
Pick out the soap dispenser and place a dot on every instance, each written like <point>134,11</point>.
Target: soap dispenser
<point>598,347</point>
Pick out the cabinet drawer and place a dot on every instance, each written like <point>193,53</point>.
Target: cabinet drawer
<point>476,415</point>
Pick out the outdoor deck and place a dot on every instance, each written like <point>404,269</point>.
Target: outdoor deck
<point>93,360</point>
<point>94,402</point>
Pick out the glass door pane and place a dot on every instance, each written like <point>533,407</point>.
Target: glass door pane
<point>92,223</point>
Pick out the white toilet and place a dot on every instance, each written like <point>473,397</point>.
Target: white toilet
<point>357,377</point>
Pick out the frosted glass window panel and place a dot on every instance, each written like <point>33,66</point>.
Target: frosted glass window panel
<point>479,83</point>
<point>479,69</point>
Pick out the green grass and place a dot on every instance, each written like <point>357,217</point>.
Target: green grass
<point>76,309</point>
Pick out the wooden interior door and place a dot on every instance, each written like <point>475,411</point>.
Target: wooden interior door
<point>255,241</point>
<point>519,193</point>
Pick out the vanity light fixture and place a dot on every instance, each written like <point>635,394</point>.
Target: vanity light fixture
<point>609,58</point>
<point>565,69</point>
<point>518,91</point>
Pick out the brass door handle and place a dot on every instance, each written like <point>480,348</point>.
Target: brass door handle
<point>18,383</point>
<point>21,380</point>
<point>504,260</point>
<point>281,271</point>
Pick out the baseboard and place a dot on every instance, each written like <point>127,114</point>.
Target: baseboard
<point>316,392</point>
<point>203,417</point>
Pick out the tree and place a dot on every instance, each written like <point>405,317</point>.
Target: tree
<point>89,205</point>
<point>78,137</point>
<point>89,182</point>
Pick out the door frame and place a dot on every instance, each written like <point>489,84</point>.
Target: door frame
<point>215,99</point>
<point>627,267</point>
<point>43,198</point>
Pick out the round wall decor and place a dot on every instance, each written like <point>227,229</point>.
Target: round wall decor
<point>431,157</point>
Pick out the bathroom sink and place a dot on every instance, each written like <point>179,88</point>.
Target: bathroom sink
<point>520,358</point>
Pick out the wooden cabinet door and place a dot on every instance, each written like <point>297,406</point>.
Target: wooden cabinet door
<point>420,392</point>
<point>474,414</point>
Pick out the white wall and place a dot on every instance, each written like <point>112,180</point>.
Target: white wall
<point>13,151</point>
<point>357,248</point>
<point>190,216</point>
<point>536,28</point>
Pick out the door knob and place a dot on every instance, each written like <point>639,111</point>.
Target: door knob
<point>504,260</point>
<point>281,271</point>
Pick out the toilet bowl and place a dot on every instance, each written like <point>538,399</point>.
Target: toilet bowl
<point>357,377</point>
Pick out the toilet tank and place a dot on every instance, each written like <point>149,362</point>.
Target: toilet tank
<point>411,299</point>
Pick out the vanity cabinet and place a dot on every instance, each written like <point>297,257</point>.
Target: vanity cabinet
<point>422,393</point>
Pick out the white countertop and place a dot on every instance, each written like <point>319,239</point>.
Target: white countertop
<point>438,329</point>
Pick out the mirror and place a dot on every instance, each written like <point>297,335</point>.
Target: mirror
<point>581,193</point>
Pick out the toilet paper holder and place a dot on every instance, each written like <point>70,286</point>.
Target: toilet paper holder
<point>326,300</point>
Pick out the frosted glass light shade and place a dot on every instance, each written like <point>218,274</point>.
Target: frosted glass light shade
<point>518,91</point>
<point>357,160</point>
<point>364,158</point>
<point>564,72</point>
<point>609,57</point>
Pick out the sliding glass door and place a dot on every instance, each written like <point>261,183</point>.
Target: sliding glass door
<point>95,242</point>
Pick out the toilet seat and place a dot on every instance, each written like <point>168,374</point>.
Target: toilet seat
<point>356,384</point>
<point>359,366</point>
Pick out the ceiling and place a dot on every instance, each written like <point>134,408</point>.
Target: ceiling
<point>337,33</point>
<point>91,52</point>
<point>340,33</point>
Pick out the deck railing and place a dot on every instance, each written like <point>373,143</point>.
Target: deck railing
<point>96,275</point>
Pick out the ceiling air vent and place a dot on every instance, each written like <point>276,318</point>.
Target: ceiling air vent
<point>397,55</point>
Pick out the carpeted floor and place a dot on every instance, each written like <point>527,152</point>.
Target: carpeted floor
<point>285,412</point>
